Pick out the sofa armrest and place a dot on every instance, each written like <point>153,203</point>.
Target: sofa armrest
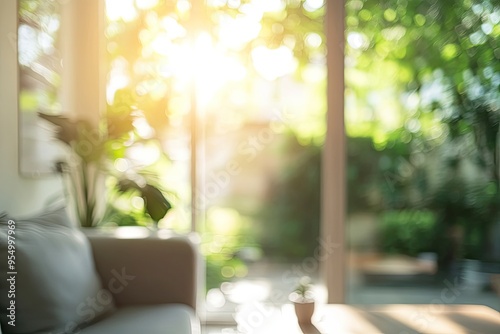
<point>150,270</point>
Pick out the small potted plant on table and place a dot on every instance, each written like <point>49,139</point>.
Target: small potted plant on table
<point>303,300</point>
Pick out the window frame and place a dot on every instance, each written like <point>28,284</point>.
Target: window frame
<point>333,194</point>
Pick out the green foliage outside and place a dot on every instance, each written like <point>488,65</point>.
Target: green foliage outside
<point>439,65</point>
<point>226,236</point>
<point>288,225</point>
<point>422,117</point>
<point>408,232</point>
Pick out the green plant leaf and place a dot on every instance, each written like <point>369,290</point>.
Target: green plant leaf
<point>66,128</point>
<point>155,203</point>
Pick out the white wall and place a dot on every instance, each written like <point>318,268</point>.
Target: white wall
<point>18,195</point>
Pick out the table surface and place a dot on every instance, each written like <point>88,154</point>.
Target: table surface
<point>399,319</point>
<point>387,319</point>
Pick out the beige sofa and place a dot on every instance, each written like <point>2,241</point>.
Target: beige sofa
<point>63,280</point>
<point>153,281</point>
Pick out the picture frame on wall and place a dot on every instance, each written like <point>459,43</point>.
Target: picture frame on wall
<point>40,81</point>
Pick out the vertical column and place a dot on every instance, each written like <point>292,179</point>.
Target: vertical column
<point>197,189</point>
<point>334,160</point>
<point>197,24</point>
<point>82,41</point>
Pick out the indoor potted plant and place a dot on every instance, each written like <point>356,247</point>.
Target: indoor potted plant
<point>92,151</point>
<point>303,300</point>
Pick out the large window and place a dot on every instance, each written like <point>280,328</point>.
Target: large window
<point>236,92</point>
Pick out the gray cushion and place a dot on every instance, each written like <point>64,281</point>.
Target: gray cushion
<point>4,216</point>
<point>56,284</point>
<point>148,319</point>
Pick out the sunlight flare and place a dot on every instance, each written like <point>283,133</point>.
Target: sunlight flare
<point>273,63</point>
<point>121,9</point>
